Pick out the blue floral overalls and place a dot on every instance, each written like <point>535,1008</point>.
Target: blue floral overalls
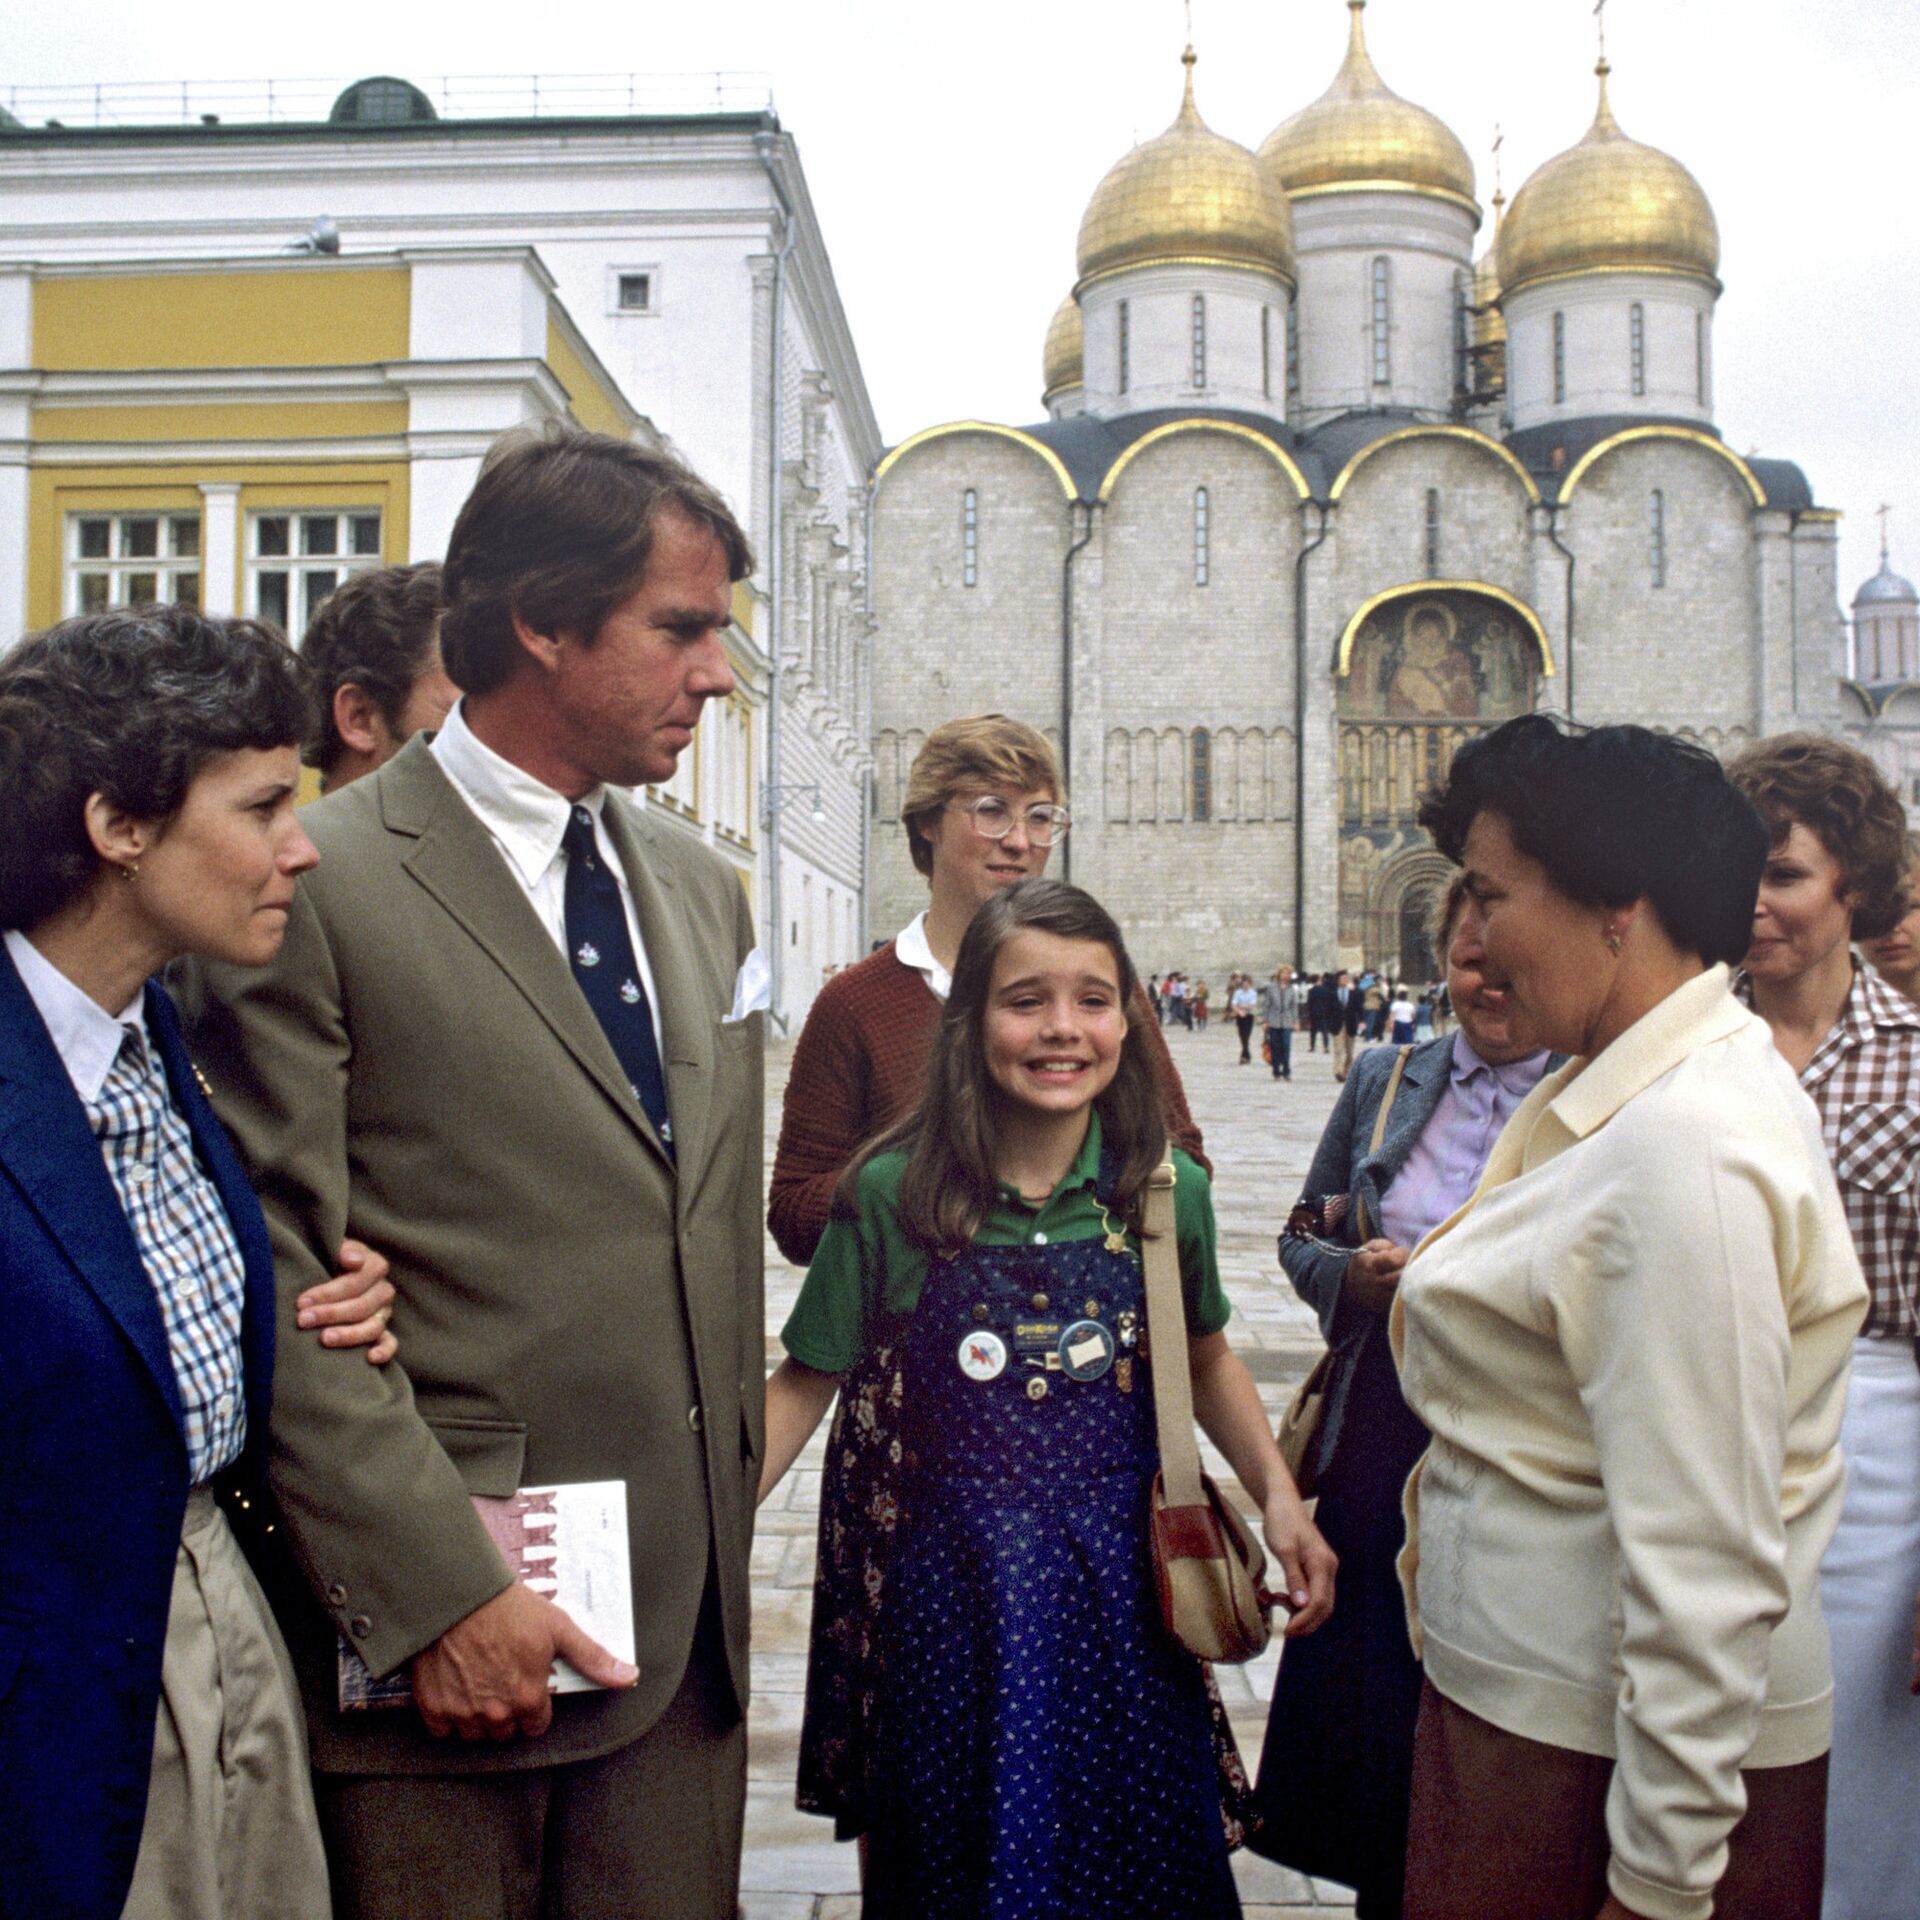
<point>1044,1748</point>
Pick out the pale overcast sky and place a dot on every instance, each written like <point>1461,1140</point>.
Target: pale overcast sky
<point>951,150</point>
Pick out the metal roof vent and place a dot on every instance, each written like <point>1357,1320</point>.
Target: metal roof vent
<point>382,101</point>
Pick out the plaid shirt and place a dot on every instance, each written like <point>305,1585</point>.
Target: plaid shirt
<point>1865,1079</point>
<point>186,1243</point>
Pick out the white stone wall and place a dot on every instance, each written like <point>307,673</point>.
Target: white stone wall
<point>1159,303</point>
<point>1687,655</point>
<point>1427,244</point>
<point>1597,312</point>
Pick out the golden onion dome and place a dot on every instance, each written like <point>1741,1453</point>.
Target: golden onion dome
<point>1191,194</point>
<point>1062,361</point>
<point>1361,133</point>
<point>1608,203</point>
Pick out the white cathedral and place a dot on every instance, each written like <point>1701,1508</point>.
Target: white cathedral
<point>1318,496</point>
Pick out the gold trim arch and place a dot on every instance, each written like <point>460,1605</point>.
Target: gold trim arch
<point>1014,434</point>
<point>1343,658</point>
<point>1435,431</point>
<point>1272,448</point>
<point>1691,434</point>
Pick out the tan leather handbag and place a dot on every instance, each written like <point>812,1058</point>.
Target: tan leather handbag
<point>1300,1425</point>
<point>1210,1571</point>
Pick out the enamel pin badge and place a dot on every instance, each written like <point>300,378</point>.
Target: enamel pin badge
<point>983,1356</point>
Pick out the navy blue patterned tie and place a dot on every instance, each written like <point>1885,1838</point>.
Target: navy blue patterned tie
<point>602,957</point>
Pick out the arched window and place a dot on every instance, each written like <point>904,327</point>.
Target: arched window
<point>1202,538</point>
<point>1382,318</point>
<point>1559,356</point>
<point>1124,356</point>
<point>969,539</point>
<point>1657,538</point>
<point>1637,345</point>
<point>1202,774</point>
<point>1266,351</point>
<point>1199,341</point>
<point>1433,533</point>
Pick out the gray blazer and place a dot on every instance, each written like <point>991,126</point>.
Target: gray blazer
<point>1342,1164</point>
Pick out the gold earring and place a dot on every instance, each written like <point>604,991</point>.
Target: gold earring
<point>1613,941</point>
<point>131,871</point>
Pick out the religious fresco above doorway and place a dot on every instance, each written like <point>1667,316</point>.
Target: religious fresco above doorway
<point>1426,670</point>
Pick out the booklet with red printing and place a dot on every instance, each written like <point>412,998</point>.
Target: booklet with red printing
<point>569,1544</point>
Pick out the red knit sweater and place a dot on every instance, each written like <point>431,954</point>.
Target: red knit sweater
<point>860,1063</point>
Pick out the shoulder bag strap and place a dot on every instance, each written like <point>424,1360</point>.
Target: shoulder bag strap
<point>1167,1329</point>
<point>1362,1223</point>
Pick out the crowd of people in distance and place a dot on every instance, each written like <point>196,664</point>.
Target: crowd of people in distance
<point>375,1172</point>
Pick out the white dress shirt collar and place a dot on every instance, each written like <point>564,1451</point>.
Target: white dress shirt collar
<point>526,816</point>
<point>911,949</point>
<point>85,1035</point>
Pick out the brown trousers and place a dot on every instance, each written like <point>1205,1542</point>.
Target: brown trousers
<point>650,1831</point>
<point>1510,1826</point>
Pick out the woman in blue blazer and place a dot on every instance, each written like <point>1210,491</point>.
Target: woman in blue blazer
<point>147,769</point>
<point>1335,1770</point>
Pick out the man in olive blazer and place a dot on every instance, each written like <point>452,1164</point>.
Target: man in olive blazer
<point>580,1285</point>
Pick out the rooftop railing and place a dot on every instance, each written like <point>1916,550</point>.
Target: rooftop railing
<point>173,103</point>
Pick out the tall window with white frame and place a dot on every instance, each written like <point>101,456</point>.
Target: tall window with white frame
<point>1382,322</point>
<point>1559,357</point>
<point>1700,357</point>
<point>1266,351</point>
<point>970,538</point>
<point>296,556</point>
<point>1199,341</point>
<point>1433,533</point>
<point>1657,538</point>
<point>130,559</point>
<point>1202,537</point>
<point>1125,344</point>
<point>1637,346</point>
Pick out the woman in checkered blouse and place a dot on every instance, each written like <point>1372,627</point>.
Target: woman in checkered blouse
<point>1835,874</point>
<point>152,1756</point>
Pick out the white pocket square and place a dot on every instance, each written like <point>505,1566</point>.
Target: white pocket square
<point>752,988</point>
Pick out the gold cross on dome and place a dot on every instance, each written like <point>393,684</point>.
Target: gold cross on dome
<point>1600,17</point>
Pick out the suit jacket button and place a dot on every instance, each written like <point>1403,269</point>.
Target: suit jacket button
<point>361,1626</point>
<point>336,1595</point>
<point>693,1419</point>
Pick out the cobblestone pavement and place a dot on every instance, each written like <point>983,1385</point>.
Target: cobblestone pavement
<point>1260,1134</point>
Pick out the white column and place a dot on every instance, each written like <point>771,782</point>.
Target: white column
<point>220,546</point>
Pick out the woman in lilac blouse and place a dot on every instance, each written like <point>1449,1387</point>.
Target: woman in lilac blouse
<point>1335,1769</point>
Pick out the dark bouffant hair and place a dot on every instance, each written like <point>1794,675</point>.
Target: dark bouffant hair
<point>131,703</point>
<point>559,529</point>
<point>948,1188</point>
<point>1841,798</point>
<point>374,631</point>
<point>1616,814</point>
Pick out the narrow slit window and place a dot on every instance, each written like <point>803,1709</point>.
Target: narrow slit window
<point>1199,341</point>
<point>1657,538</point>
<point>1202,538</point>
<point>1293,350</point>
<point>1700,357</point>
<point>1433,533</point>
<point>1559,356</point>
<point>1462,334</point>
<point>1382,323</point>
<point>1124,343</point>
<point>1266,351</point>
<point>1202,774</point>
<point>970,538</point>
<point>1637,345</point>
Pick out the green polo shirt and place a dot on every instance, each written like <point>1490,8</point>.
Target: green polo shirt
<point>865,1277</point>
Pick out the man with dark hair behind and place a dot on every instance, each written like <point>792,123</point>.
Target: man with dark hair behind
<point>511,1026</point>
<point>372,658</point>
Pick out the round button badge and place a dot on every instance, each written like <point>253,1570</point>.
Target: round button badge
<point>1086,1350</point>
<point>983,1356</point>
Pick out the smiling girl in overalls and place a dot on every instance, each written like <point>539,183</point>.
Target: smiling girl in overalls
<point>1044,1746</point>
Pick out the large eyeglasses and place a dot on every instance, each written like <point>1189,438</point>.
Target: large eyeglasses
<point>993,817</point>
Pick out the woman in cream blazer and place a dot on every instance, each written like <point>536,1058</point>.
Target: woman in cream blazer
<point>1631,1350</point>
